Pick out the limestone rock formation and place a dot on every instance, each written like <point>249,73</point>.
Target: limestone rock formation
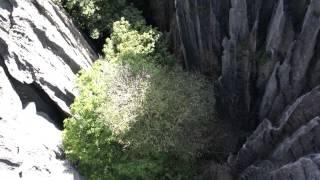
<point>40,52</point>
<point>288,149</point>
<point>201,30</point>
<point>29,142</point>
<point>264,56</point>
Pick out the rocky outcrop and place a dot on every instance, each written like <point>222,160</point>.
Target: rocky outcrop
<point>291,74</point>
<point>40,53</point>
<point>285,146</point>
<point>201,27</point>
<point>40,46</point>
<point>287,149</point>
<point>264,56</point>
<point>29,142</point>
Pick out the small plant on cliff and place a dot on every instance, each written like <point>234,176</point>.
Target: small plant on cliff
<point>138,116</point>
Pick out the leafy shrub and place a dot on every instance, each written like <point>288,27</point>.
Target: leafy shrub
<point>137,118</point>
<point>144,126</point>
<point>136,46</point>
<point>97,16</point>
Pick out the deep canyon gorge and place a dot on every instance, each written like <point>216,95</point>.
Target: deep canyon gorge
<point>262,56</point>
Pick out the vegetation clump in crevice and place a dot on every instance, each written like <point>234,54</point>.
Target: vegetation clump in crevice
<point>138,115</point>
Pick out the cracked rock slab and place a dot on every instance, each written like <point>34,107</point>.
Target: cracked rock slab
<point>29,142</point>
<point>40,45</point>
<point>40,53</point>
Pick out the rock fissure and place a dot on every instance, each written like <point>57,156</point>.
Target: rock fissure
<point>32,93</point>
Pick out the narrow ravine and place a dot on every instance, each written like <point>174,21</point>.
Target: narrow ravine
<point>181,89</point>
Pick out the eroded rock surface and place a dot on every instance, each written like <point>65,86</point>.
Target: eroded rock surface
<point>40,53</point>
<point>41,46</point>
<point>29,142</point>
<point>264,56</point>
<point>288,149</point>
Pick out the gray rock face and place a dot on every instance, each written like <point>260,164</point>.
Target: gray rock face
<point>264,56</point>
<point>292,73</point>
<point>40,53</point>
<point>237,66</point>
<point>201,29</point>
<point>285,144</point>
<point>28,141</point>
<point>288,148</point>
<point>41,46</point>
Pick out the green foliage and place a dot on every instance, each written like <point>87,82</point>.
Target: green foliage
<point>85,136</point>
<point>137,46</point>
<point>125,41</point>
<point>138,116</point>
<point>146,125</point>
<point>97,16</point>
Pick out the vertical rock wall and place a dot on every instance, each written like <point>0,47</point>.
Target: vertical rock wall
<point>40,53</point>
<point>264,56</point>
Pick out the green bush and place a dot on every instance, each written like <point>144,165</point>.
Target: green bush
<point>97,16</point>
<point>137,46</point>
<point>136,117</point>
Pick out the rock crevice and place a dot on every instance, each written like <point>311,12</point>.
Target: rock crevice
<point>264,56</point>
